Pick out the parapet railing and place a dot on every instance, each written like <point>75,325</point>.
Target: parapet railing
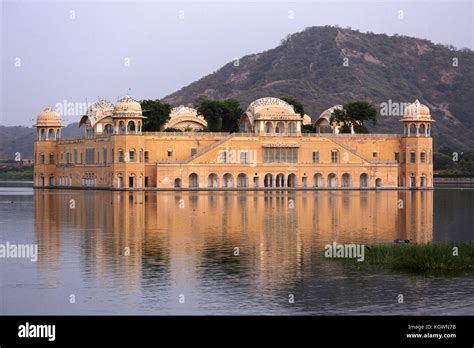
<point>348,135</point>
<point>82,137</point>
<point>217,134</point>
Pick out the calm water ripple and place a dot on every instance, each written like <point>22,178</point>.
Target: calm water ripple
<point>224,252</point>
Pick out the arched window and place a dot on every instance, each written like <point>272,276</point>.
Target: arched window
<point>109,129</point>
<point>280,128</point>
<point>131,126</point>
<point>224,156</point>
<point>177,182</point>
<point>412,130</point>
<point>268,128</point>
<point>120,156</point>
<point>422,130</point>
<point>334,156</point>
<point>51,134</point>
<point>378,182</point>
<point>43,134</point>
<point>292,128</point>
<point>132,155</point>
<point>121,127</point>
<point>422,157</point>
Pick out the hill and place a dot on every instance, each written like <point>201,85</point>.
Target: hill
<point>21,139</point>
<point>310,66</point>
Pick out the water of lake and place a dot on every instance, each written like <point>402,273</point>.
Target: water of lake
<point>224,252</point>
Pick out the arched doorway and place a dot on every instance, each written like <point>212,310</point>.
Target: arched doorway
<point>423,180</point>
<point>268,180</point>
<point>193,180</point>
<point>292,180</point>
<point>346,180</point>
<point>280,180</point>
<point>213,181</point>
<point>332,180</point>
<point>364,180</point>
<point>242,180</point>
<point>177,183</point>
<point>378,182</point>
<point>318,180</point>
<point>227,181</point>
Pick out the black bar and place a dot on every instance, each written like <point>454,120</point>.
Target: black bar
<point>288,330</point>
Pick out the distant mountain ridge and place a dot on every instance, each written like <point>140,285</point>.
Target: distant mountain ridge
<point>21,139</point>
<point>309,66</point>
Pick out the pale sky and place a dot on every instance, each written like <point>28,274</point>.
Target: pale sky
<point>54,52</point>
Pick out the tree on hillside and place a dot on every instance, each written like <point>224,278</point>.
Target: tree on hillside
<point>297,105</point>
<point>156,113</point>
<point>221,115</point>
<point>354,115</point>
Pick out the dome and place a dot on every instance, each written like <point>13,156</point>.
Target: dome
<point>185,118</point>
<point>269,103</point>
<point>183,110</point>
<point>99,111</point>
<point>416,110</point>
<point>48,117</point>
<point>268,108</point>
<point>127,106</point>
<point>326,114</point>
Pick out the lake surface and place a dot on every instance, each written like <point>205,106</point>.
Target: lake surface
<point>144,253</point>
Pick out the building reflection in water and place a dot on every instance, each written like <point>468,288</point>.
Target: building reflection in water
<point>187,239</point>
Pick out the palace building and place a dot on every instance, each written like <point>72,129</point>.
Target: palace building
<point>270,152</point>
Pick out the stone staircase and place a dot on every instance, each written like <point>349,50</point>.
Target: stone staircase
<point>351,150</point>
<point>209,148</point>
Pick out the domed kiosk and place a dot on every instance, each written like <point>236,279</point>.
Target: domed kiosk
<point>417,120</point>
<point>271,116</point>
<point>48,124</point>
<point>127,116</point>
<point>185,119</point>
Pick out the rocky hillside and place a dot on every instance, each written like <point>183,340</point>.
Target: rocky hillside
<point>323,66</point>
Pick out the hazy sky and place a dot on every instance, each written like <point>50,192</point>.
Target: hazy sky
<point>71,51</point>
